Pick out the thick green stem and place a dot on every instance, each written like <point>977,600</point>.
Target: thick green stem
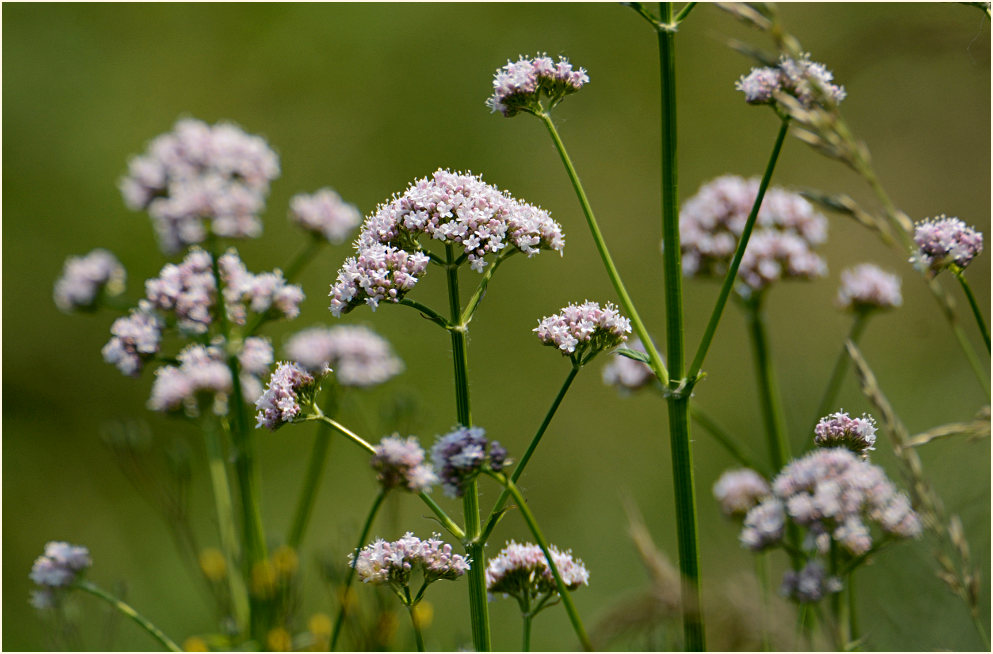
<point>655,360</point>
<point>678,397</point>
<point>732,273</point>
<point>772,410</point>
<point>840,367</point>
<point>976,311</point>
<point>363,537</point>
<point>225,520</point>
<point>127,611</point>
<point>577,623</point>
<point>522,464</point>
<point>478,608</point>
<point>418,638</point>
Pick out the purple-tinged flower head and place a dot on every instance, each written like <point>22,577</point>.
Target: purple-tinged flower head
<point>288,388</point>
<point>359,356</point>
<point>188,290</point>
<point>134,340</point>
<point>807,81</point>
<point>944,242</point>
<point>399,463</point>
<point>521,84</point>
<point>810,584</point>
<point>867,287</point>
<point>325,215</point>
<point>787,231</point>
<point>201,380</point>
<point>200,179</point>
<point>581,331</point>
<point>459,455</point>
<point>521,570</point>
<point>841,430</point>
<point>737,491</point>
<point>835,492</point>
<point>394,563</point>
<point>764,525</point>
<point>256,355</point>
<point>265,293</point>
<point>458,209</point>
<point>61,565</point>
<point>84,279</point>
<point>627,374</point>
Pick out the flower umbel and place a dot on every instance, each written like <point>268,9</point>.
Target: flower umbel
<point>807,81</point>
<point>288,388</point>
<point>521,84</point>
<point>841,430</point>
<point>581,331</point>
<point>135,340</point>
<point>395,562</point>
<point>459,455</point>
<point>521,571</point>
<point>867,287</point>
<point>943,242</point>
<point>85,278</point>
<point>399,463</point>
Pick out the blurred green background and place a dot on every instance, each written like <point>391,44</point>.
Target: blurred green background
<point>365,98</point>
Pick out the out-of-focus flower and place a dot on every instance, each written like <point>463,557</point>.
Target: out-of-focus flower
<point>867,287</point>
<point>581,331</point>
<point>265,293</point>
<point>521,84</point>
<point>811,584</point>
<point>399,462</point>
<point>841,430</point>
<point>944,241</point>
<point>626,374</point>
<point>521,570</point>
<point>200,179</point>
<point>188,290</point>
<point>459,455</point>
<point>324,214</point>
<point>134,340</point>
<point>737,491</point>
<point>201,376</point>
<point>85,278</point>
<point>358,355</point>
<point>281,402</point>
<point>60,566</point>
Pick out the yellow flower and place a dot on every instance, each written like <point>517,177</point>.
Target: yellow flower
<point>286,561</point>
<point>195,644</point>
<point>279,640</point>
<point>213,564</point>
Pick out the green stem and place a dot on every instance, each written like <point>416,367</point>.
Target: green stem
<point>417,628</point>
<point>837,631</point>
<point>308,492</point>
<point>478,608</point>
<point>302,258</point>
<point>840,367</point>
<point>366,528</point>
<point>526,617</point>
<point>427,312</point>
<point>853,627</point>
<point>684,12</point>
<point>762,574</point>
<point>732,273</point>
<point>678,397</point>
<point>129,612</point>
<point>976,311</point>
<point>577,623</point>
<point>772,410</point>
<point>473,304</point>
<point>519,468</point>
<point>725,440</point>
<point>225,520</point>
<point>655,360</point>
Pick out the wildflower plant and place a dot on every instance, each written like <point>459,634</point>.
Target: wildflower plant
<point>195,331</point>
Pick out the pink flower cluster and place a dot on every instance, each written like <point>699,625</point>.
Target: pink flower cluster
<point>866,287</point>
<point>265,293</point>
<point>806,80</point>
<point>85,278</point>
<point>583,330</point>
<point>944,241</point>
<point>135,339</point>
<point>289,386</point>
<point>325,215</point>
<point>841,430</point>
<point>520,85</point>
<point>187,290</point>
<point>787,230</point>
<point>455,208</point>
<point>394,562</point>
<point>399,462</point>
<point>359,356</point>
<point>521,570</point>
<point>198,180</point>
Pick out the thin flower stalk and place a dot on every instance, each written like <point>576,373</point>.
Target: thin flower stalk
<point>363,538</point>
<point>418,636</point>
<point>127,611</point>
<point>497,511</point>
<point>976,311</point>
<point>570,607</point>
<point>771,402</point>
<point>732,272</point>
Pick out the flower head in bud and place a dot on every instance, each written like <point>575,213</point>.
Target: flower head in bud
<point>399,463</point>
<point>581,331</point>
<point>521,570</point>
<point>737,491</point>
<point>325,215</point>
<point>85,278</point>
<point>61,565</point>
<point>521,85</point>
<point>841,430</point>
<point>134,340</point>
<point>943,242</point>
<point>359,356</point>
<point>289,386</point>
<point>459,456</point>
<point>627,374</point>
<point>197,180</point>
<point>867,287</point>
<point>395,562</point>
<point>811,584</point>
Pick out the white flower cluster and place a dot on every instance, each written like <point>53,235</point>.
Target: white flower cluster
<point>521,570</point>
<point>841,430</point>
<point>281,402</point>
<point>520,85</point>
<point>944,241</point>
<point>808,81</point>
<point>866,287</point>
<point>394,562</point>
<point>581,330</point>
<point>265,293</point>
